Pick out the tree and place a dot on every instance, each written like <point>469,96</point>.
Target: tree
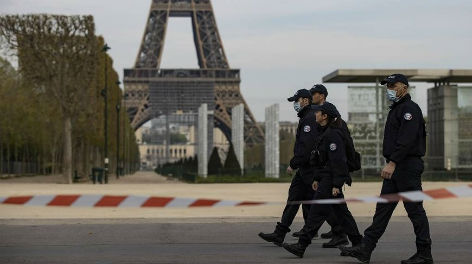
<point>231,163</point>
<point>214,164</point>
<point>57,54</point>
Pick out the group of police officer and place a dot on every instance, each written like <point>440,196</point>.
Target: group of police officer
<point>322,163</point>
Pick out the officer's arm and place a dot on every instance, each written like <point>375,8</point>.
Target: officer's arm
<point>407,134</point>
<point>303,148</point>
<point>337,159</point>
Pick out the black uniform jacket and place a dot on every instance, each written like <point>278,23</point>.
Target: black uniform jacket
<point>307,133</point>
<point>333,152</point>
<point>405,131</point>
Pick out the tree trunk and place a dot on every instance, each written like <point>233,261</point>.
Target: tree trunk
<point>53,160</point>
<point>67,155</point>
<point>86,159</point>
<point>15,160</point>
<point>1,158</point>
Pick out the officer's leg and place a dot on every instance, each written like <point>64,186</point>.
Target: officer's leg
<point>383,213</point>
<point>409,179</point>
<point>296,193</point>
<point>335,225</point>
<point>305,211</point>
<point>316,218</point>
<point>309,193</point>
<point>347,221</point>
<point>318,212</point>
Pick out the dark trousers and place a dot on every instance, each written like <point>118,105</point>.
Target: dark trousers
<point>321,212</point>
<point>298,191</point>
<point>406,177</point>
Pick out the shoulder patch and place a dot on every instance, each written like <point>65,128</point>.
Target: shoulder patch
<point>307,129</point>
<point>333,146</point>
<point>408,116</point>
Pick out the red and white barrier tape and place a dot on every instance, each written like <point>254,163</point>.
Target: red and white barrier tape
<point>89,200</point>
<point>410,196</point>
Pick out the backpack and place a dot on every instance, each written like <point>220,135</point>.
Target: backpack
<point>353,157</point>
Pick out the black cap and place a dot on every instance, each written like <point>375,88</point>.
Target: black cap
<point>302,93</point>
<point>397,77</point>
<point>319,88</point>
<point>329,109</point>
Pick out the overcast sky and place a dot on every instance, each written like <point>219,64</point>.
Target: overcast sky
<point>281,46</point>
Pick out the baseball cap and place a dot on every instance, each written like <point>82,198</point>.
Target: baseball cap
<point>397,77</point>
<point>319,88</point>
<point>329,109</point>
<point>302,93</point>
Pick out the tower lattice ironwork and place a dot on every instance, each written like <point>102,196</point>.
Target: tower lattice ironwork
<point>151,91</point>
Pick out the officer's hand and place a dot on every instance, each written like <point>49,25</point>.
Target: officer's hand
<point>315,185</point>
<point>388,170</point>
<point>336,191</point>
<point>289,170</point>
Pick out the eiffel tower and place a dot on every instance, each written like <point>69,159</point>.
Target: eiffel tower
<point>151,91</point>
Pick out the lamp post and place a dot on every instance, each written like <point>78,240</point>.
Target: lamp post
<point>124,141</point>
<point>118,106</point>
<point>105,97</point>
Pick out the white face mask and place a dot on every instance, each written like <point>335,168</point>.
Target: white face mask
<point>297,106</point>
<point>392,95</point>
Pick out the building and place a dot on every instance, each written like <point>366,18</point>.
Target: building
<point>289,127</point>
<point>362,122</point>
<point>449,120</point>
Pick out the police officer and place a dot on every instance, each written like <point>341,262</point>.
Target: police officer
<point>338,238</point>
<point>403,148</point>
<point>319,93</point>
<point>300,187</point>
<point>331,172</point>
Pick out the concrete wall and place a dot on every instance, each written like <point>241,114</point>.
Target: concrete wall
<point>442,127</point>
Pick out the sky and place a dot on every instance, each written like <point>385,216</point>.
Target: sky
<point>281,46</point>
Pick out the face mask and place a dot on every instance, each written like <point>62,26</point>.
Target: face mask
<point>297,106</point>
<point>392,95</point>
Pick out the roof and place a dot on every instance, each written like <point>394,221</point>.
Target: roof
<point>413,75</point>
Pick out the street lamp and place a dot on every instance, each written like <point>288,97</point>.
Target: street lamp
<point>105,97</point>
<point>118,106</point>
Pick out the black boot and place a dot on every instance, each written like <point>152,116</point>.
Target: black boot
<point>278,236</point>
<point>275,237</point>
<point>299,233</point>
<point>328,235</point>
<point>297,249</point>
<point>337,241</point>
<point>360,252</point>
<point>422,256</point>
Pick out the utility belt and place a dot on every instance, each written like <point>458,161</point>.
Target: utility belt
<point>407,158</point>
<point>318,160</point>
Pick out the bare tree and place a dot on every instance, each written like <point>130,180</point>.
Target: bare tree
<point>58,56</point>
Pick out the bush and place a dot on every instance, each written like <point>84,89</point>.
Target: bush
<point>231,163</point>
<point>214,164</point>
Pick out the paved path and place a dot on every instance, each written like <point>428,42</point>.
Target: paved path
<point>140,177</point>
<point>200,241</point>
